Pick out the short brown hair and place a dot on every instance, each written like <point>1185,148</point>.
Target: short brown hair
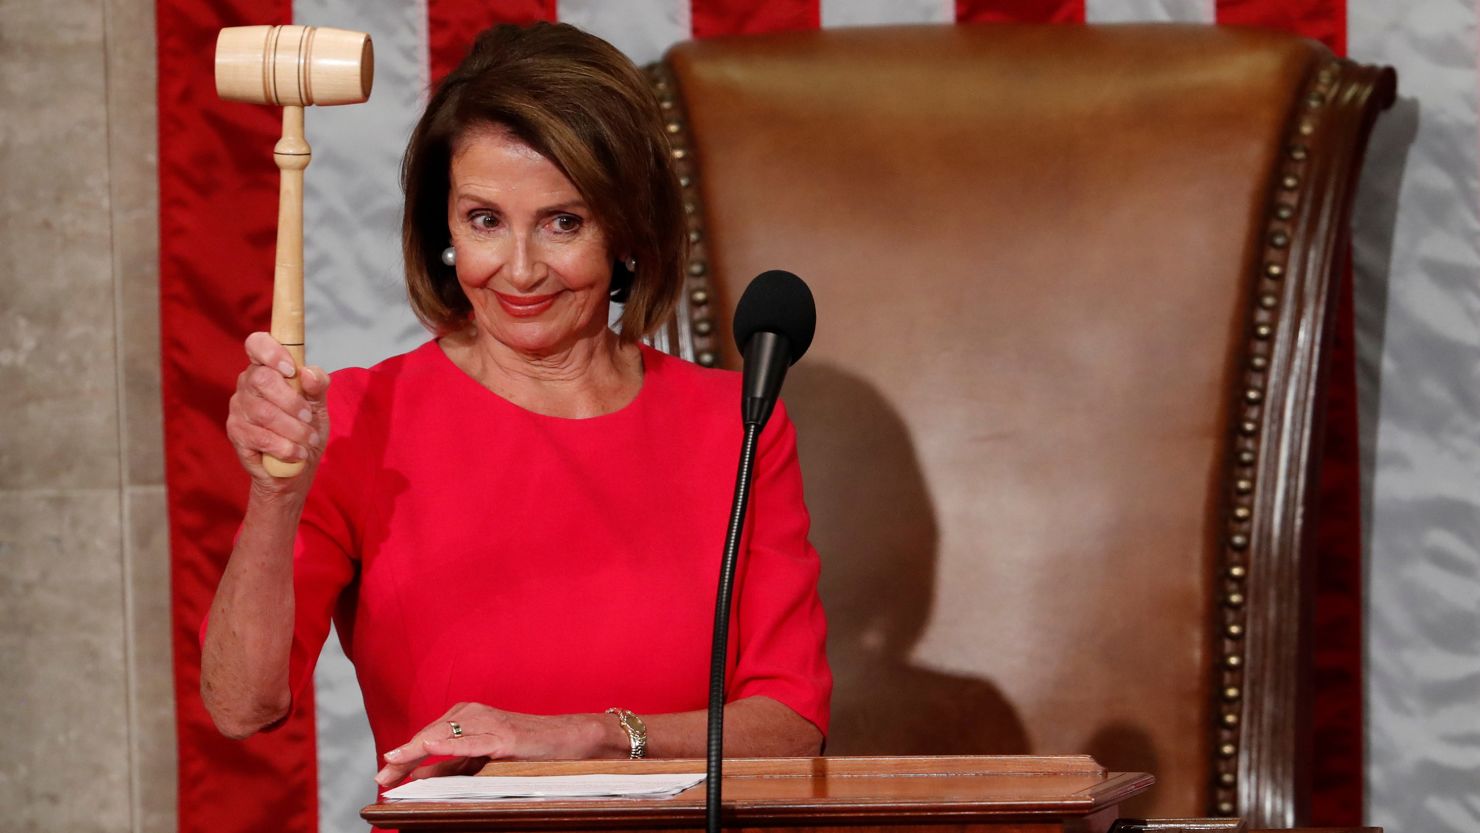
<point>581,104</point>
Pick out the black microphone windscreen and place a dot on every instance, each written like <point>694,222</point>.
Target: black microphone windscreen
<point>777,302</point>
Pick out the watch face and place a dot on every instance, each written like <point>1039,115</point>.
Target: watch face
<point>637,724</point>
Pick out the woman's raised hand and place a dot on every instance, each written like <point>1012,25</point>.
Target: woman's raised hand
<point>267,416</point>
<point>471,734</point>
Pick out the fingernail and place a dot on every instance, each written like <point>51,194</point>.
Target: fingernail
<point>287,369</point>
<point>382,778</point>
<point>313,439</point>
<point>393,755</point>
<point>305,415</point>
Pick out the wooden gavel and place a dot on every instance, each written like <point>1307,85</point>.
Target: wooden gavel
<point>292,66</point>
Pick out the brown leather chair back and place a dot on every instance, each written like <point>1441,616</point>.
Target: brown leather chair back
<point>1059,421</point>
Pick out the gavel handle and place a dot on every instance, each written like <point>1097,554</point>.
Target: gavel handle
<point>292,155</point>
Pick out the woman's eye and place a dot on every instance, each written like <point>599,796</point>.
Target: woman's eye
<point>567,223</point>
<point>483,220</point>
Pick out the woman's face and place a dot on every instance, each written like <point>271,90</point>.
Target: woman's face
<point>530,255</point>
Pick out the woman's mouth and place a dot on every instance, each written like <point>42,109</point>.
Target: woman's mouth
<point>525,306</point>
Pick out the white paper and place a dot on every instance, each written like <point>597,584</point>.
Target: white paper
<point>496,787</point>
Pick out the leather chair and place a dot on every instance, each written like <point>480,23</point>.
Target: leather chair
<point>1060,422</point>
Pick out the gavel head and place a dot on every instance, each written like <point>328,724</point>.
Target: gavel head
<point>297,65</point>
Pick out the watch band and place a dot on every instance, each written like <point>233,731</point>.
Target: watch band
<point>636,730</point>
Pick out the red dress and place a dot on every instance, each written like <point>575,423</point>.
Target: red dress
<point>470,550</point>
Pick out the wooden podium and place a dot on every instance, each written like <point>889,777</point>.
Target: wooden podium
<point>1070,794</point>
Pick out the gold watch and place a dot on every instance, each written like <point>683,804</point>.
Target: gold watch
<point>634,727</point>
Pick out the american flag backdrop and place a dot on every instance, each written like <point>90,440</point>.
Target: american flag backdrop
<point>1398,624</point>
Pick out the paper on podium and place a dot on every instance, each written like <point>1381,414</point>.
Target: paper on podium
<point>495,787</point>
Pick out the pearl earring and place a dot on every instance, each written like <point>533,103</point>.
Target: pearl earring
<point>631,264</point>
<point>449,256</point>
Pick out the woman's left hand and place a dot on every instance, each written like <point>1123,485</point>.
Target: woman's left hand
<point>488,734</point>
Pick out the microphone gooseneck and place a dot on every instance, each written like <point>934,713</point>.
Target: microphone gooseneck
<point>774,324</point>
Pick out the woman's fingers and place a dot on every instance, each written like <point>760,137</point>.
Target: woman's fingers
<point>315,382</point>
<point>269,415</point>
<point>271,404</point>
<point>479,735</point>
<point>252,440</point>
<point>451,766</point>
<point>265,350</point>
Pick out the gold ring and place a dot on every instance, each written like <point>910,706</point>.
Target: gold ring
<point>456,729</point>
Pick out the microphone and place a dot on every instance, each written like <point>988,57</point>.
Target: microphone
<point>774,324</point>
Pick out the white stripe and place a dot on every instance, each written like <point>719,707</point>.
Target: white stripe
<point>880,12</point>
<point>643,29</point>
<point>1150,11</point>
<point>1417,254</point>
<point>356,307</point>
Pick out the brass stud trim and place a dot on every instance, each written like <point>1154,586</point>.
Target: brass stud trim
<point>1247,457</point>
<point>1234,600</point>
<point>1230,719</point>
<point>1290,182</point>
<point>1269,301</point>
<point>1263,331</point>
<point>1284,211</point>
<point>695,339</point>
<point>1259,362</point>
<point>1238,541</point>
<point>1233,661</point>
<point>1248,428</point>
<point>1232,693</point>
<point>1243,486</point>
<point>1238,572</point>
<point>1274,271</point>
<point>1253,396</point>
<point>1228,750</point>
<point>1228,779</point>
<point>1234,631</point>
<point>1279,240</point>
<point>1299,152</point>
<point>1242,513</point>
<point>1225,808</point>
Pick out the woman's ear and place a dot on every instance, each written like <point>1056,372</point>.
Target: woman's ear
<point>624,269</point>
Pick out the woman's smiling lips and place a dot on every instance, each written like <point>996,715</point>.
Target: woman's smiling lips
<point>525,306</point>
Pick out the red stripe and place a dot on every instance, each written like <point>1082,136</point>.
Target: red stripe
<point>1019,11</point>
<point>452,25</point>
<point>1324,20</point>
<point>1337,778</point>
<point>715,18</point>
<point>217,220</point>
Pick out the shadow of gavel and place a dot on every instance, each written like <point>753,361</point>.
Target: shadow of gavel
<point>292,67</point>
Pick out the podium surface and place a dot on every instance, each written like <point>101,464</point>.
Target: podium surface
<point>996,794</point>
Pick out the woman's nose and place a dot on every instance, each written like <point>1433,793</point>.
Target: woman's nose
<point>526,265</point>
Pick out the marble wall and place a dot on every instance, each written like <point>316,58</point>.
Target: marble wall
<point>86,705</point>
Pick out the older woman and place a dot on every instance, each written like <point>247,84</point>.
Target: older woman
<point>517,527</point>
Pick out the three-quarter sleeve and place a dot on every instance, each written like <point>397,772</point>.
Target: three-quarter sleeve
<point>325,551</point>
<point>782,636</point>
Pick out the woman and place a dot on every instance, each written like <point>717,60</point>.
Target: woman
<point>517,526</point>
